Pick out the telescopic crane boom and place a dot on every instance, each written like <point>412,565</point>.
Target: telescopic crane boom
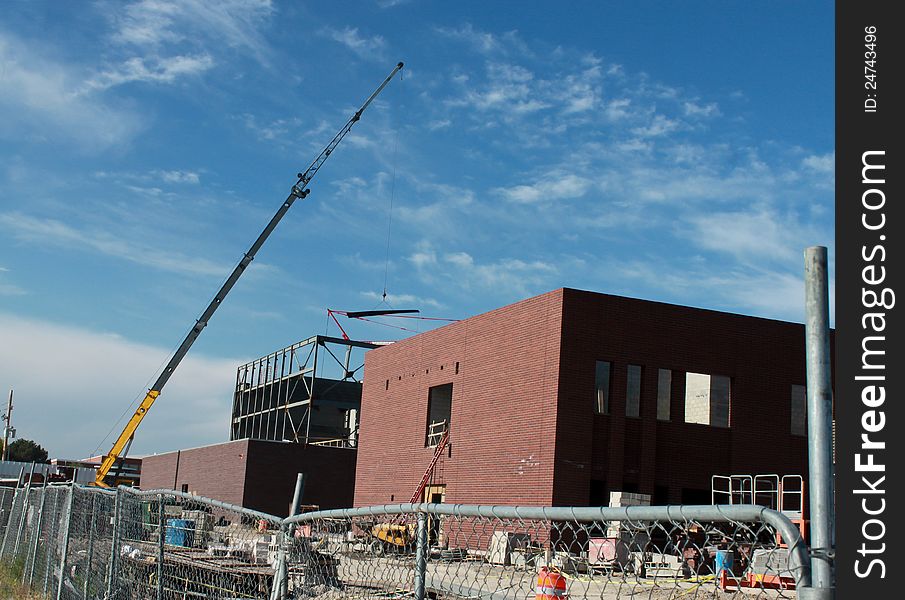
<point>299,190</point>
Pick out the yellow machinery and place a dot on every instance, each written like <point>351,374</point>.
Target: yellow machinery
<point>299,190</point>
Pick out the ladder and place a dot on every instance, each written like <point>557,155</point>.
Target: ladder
<point>430,468</point>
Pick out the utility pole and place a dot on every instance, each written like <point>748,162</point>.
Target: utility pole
<point>6,430</point>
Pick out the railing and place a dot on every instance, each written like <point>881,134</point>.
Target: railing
<point>74,542</point>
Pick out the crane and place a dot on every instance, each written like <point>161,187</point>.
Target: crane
<point>299,191</point>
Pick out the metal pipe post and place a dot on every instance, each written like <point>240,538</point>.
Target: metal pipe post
<point>161,530</point>
<point>89,557</point>
<point>114,544</point>
<point>51,538</point>
<point>9,521</point>
<point>31,474</point>
<point>820,410</point>
<point>65,548</point>
<point>34,545</point>
<point>421,554</point>
<point>297,496</point>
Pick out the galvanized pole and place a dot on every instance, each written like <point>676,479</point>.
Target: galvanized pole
<point>9,521</point>
<point>22,517</point>
<point>421,554</point>
<point>34,546</point>
<point>51,538</point>
<point>90,548</point>
<point>114,545</point>
<point>161,532</point>
<point>65,548</point>
<point>820,425</point>
<point>297,496</point>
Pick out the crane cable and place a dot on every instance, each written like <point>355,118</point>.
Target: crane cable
<point>386,265</point>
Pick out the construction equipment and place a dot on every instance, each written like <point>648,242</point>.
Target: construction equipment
<point>299,190</point>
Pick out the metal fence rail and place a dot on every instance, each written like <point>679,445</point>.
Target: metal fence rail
<point>74,542</point>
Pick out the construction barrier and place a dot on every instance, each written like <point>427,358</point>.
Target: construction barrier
<point>74,542</point>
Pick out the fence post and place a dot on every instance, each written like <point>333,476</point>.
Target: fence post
<point>31,475</point>
<point>65,548</point>
<point>280,586</point>
<point>53,530</point>
<point>34,546</point>
<point>162,538</point>
<point>421,554</point>
<point>114,545</point>
<point>820,426</point>
<point>90,548</point>
<point>9,521</point>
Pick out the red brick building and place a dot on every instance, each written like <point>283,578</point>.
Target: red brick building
<point>566,396</point>
<point>256,474</point>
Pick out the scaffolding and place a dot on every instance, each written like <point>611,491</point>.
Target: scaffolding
<point>309,393</point>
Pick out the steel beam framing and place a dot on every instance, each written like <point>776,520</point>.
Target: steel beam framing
<point>268,388</point>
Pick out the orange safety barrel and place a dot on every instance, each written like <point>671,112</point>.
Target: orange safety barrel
<point>551,585</point>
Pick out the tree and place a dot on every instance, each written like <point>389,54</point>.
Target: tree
<point>27,451</point>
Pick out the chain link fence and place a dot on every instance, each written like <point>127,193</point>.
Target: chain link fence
<point>84,543</point>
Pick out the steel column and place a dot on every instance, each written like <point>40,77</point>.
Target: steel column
<point>34,546</point>
<point>820,411</point>
<point>65,549</point>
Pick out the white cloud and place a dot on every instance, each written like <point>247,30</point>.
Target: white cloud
<point>439,124</point>
<point>749,236</point>
<point>486,43</point>
<point>55,233</point>
<point>179,176</point>
<point>151,70</point>
<point>7,288</point>
<point>555,186</point>
<point>460,273</point>
<point>403,300</point>
<point>365,47</point>
<point>660,125</point>
<point>823,164</point>
<point>693,109</point>
<point>43,95</point>
<point>96,378</point>
<point>150,24</point>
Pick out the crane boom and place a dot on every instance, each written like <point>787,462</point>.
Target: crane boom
<point>299,190</point>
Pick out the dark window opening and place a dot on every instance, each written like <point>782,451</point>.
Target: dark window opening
<point>661,495</point>
<point>602,387</point>
<point>630,487</point>
<point>439,410</point>
<point>695,496</point>
<point>185,488</point>
<point>799,410</point>
<point>633,392</point>
<point>457,368</point>
<point>599,494</point>
<point>664,393</point>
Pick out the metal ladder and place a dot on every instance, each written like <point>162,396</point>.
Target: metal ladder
<point>430,468</point>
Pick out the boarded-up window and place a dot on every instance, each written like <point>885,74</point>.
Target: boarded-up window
<point>707,399</point>
<point>799,410</point>
<point>664,393</point>
<point>633,392</point>
<point>602,385</point>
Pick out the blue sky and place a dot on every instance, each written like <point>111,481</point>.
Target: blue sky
<point>680,152</point>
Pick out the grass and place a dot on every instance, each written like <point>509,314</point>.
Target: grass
<point>10,578</point>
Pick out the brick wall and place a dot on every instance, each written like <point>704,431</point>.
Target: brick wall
<point>762,358</point>
<point>216,471</point>
<point>257,474</point>
<point>502,420</point>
